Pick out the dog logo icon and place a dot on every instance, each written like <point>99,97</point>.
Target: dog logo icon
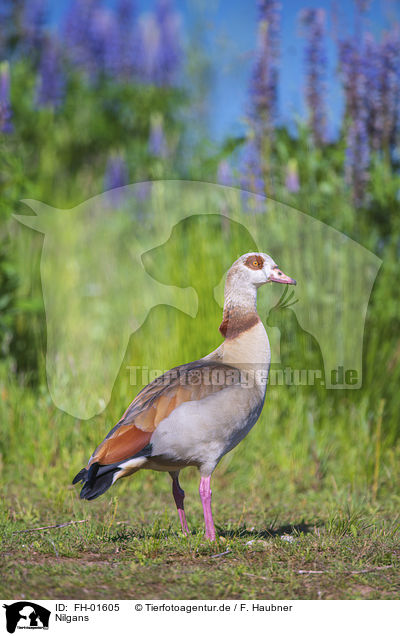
<point>26,615</point>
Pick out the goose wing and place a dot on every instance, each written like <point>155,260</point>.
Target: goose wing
<point>132,434</point>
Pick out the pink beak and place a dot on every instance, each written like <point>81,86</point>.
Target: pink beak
<point>278,276</point>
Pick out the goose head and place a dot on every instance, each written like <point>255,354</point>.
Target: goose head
<point>256,269</point>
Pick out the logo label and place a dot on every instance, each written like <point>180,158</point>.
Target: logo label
<point>26,615</point>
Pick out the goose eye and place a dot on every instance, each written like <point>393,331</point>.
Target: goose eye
<point>255,263</point>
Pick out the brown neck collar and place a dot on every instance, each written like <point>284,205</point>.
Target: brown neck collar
<point>235,321</point>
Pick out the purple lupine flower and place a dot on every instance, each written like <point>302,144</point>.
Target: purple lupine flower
<point>91,37</point>
<point>372,71</point>
<point>292,181</point>
<point>142,190</point>
<point>103,41</point>
<point>125,11</point>
<point>357,159</point>
<point>147,52</point>
<point>5,107</point>
<point>382,72</point>
<point>264,82</point>
<point>51,80</point>
<point>313,22</point>
<point>251,168</point>
<point>76,33</point>
<point>116,174</point>
<point>142,194</point>
<point>33,19</point>
<point>157,142</point>
<point>7,13</point>
<point>390,87</point>
<point>127,38</point>
<point>224,173</point>
<point>357,151</point>
<point>169,48</point>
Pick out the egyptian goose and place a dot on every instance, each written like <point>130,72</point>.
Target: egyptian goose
<point>196,413</point>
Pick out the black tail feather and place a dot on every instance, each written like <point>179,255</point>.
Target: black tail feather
<point>99,478</point>
<point>96,480</point>
<point>81,476</point>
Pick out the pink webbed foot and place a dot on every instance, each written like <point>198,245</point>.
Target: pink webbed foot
<point>205,496</point>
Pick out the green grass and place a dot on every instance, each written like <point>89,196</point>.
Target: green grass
<point>307,547</point>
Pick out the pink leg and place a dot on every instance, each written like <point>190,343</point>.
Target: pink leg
<point>179,496</point>
<point>205,496</point>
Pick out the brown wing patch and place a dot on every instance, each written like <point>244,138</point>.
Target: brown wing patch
<point>145,420</point>
<point>161,408</point>
<point>126,442</point>
<point>254,261</point>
